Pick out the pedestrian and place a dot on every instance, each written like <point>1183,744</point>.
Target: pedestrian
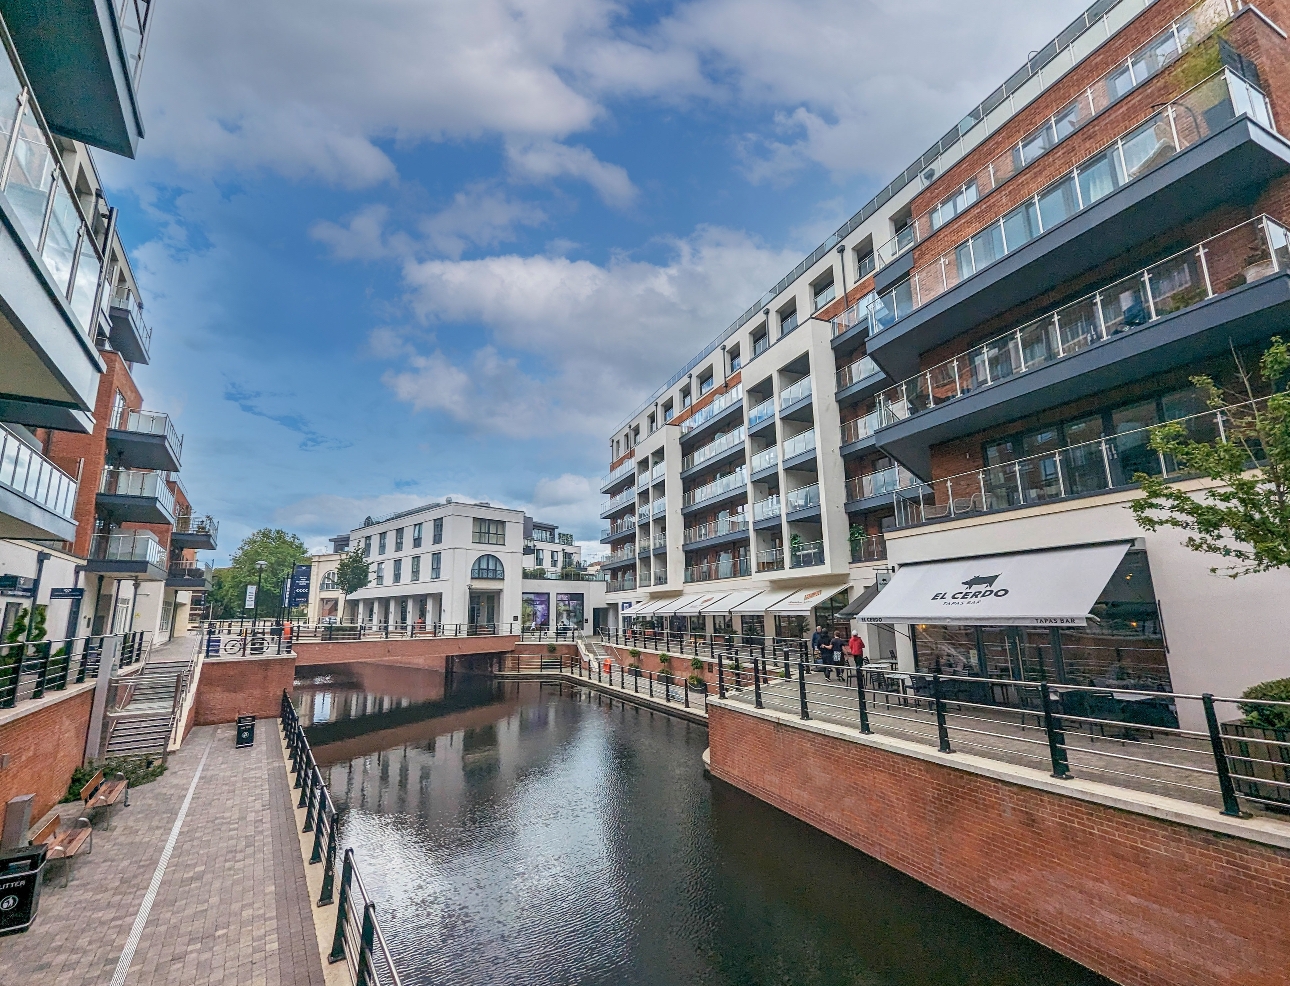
<point>826,653</point>
<point>817,638</point>
<point>856,646</point>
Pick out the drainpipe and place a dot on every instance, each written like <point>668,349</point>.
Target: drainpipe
<point>842,257</point>
<point>74,611</point>
<point>725,375</point>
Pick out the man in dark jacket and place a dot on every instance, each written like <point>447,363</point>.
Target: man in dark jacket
<point>817,638</point>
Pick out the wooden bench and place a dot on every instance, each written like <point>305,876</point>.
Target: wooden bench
<point>105,794</point>
<point>66,841</point>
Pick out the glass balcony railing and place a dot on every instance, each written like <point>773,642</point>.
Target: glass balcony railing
<point>710,411</point>
<point>622,554</point>
<point>1242,255</point>
<point>737,480</point>
<point>799,444</point>
<point>880,482</point>
<point>797,392</point>
<point>861,369</point>
<point>1127,74</point>
<point>625,584</point>
<point>659,541</point>
<point>138,482</point>
<point>642,514</point>
<point>765,459</point>
<point>624,498</point>
<point>803,498</point>
<point>148,423</point>
<point>123,299</point>
<point>767,508</point>
<point>618,472</point>
<point>726,568</point>
<point>770,560</point>
<point>622,527</point>
<point>861,427</point>
<point>660,577</point>
<point>26,472</point>
<point>658,507</point>
<point>643,480</point>
<point>190,524</point>
<point>807,554</point>
<point>658,472</point>
<point>1178,125</point>
<point>869,548</point>
<point>1077,470</point>
<point>133,21</point>
<point>715,528</point>
<point>135,546</point>
<point>762,412</point>
<point>724,443</point>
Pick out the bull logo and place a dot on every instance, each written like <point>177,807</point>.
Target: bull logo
<point>985,581</point>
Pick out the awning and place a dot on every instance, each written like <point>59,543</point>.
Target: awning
<point>730,600</point>
<point>801,602</point>
<point>1033,588</point>
<point>860,602</point>
<point>757,604</point>
<point>647,608</point>
<point>694,605</point>
<point>670,606</point>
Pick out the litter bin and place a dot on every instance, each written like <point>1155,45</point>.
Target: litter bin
<point>20,872</point>
<point>245,731</point>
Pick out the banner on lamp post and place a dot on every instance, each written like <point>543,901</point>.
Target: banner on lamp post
<point>250,597</point>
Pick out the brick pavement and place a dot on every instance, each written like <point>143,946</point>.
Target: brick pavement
<point>232,906</point>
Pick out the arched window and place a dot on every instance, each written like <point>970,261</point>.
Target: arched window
<point>487,567</point>
<point>329,581</point>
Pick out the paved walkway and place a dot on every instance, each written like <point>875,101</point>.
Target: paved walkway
<point>231,906</point>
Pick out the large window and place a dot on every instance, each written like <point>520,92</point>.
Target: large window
<point>569,610</point>
<point>416,535</point>
<point>535,610</point>
<point>380,573</point>
<point>398,570</point>
<point>398,539</point>
<point>367,546</point>
<point>488,531</point>
<point>434,565</point>
<point>487,567</point>
<point>416,568</point>
<point>380,544</point>
<point>329,582</point>
<point>438,530</point>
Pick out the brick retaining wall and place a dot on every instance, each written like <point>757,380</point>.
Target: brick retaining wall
<point>421,652</point>
<point>44,746</point>
<point>241,686</point>
<point>1139,899</point>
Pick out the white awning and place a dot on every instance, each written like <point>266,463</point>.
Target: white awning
<point>670,606</point>
<point>647,608</point>
<point>730,600</point>
<point>694,605</point>
<point>757,604</point>
<point>1033,588</point>
<point>801,602</point>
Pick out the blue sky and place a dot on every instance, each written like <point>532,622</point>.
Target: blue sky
<point>403,249</point>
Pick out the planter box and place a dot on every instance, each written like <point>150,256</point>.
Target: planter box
<point>1248,749</point>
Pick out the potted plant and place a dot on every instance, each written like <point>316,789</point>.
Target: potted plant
<point>635,666</point>
<point>696,679</point>
<point>1255,744</point>
<point>665,665</point>
<point>550,648</point>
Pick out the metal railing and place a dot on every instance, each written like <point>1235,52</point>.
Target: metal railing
<point>803,498</point>
<point>1242,255</point>
<point>192,524</point>
<point>658,506</point>
<point>626,525</point>
<point>203,571</point>
<point>877,483</point>
<point>563,575</point>
<point>798,391</point>
<point>135,546</point>
<point>727,568</point>
<point>718,487</point>
<point>861,369</point>
<point>715,528</point>
<point>714,448</point>
<point>770,560</point>
<point>123,299</point>
<point>871,547</point>
<point>767,508</point>
<point>782,653</point>
<point>26,472</point>
<point>138,482</point>
<point>357,939</point>
<point>1156,742</point>
<point>625,584</point>
<point>861,427</point>
<point>624,498</point>
<point>807,554</point>
<point>618,472</point>
<point>148,423</point>
<point>706,413</point>
<point>33,669</point>
<point>622,554</point>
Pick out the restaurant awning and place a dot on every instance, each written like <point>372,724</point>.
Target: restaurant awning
<point>730,600</point>
<point>860,602</point>
<point>757,604</point>
<point>670,606</point>
<point>1057,587</point>
<point>647,608</point>
<point>801,602</point>
<point>694,605</point>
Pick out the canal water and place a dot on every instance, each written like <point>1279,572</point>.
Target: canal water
<point>529,833</point>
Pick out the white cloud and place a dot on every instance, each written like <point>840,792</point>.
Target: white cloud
<point>546,160</point>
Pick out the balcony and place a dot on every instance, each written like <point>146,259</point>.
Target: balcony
<point>806,554</point>
<point>195,533</point>
<point>1232,288</point>
<point>624,527</point>
<point>801,502</point>
<point>1209,147</point>
<point>195,577</point>
<point>1078,470</point>
<point>660,577</point>
<point>659,543</point>
<point>84,59</point>
<point>766,513</point>
<point>623,556</point>
<point>799,449</point>
<point>770,560</point>
<point>37,499</point>
<point>852,377</point>
<point>728,568</point>
<point>658,473</point>
<point>857,434</point>
<point>725,529</point>
<point>792,396</point>
<point>877,485</point>
<point>658,508</point>
<point>736,483</point>
<point>144,440</point>
<point>624,499</point>
<point>135,497</point>
<point>130,335</point>
<point>727,445</point>
<point>626,584</point>
<point>642,514</point>
<point>136,554</point>
<point>867,549</point>
<point>715,411</point>
<point>762,413</point>
<point>617,475</point>
<point>764,460</point>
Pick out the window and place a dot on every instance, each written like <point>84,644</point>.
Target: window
<point>416,569</point>
<point>787,320</point>
<point>636,434</point>
<point>367,546</point>
<point>371,612</point>
<point>398,570</point>
<point>952,206</point>
<point>760,342</point>
<point>653,424</point>
<point>438,530</point>
<point>488,531</point>
<point>398,539</point>
<point>685,398</point>
<point>380,543</point>
<point>434,565</point>
<point>487,567</point>
<point>735,361</point>
<point>380,573</point>
<point>329,582</point>
<point>823,293</point>
<point>416,535</point>
<point>538,557</point>
<point>667,411</point>
<point>864,267</point>
<point>705,383</point>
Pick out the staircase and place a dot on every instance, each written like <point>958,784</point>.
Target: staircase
<point>147,721</point>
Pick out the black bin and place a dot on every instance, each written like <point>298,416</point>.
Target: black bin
<point>20,872</point>
<point>245,731</point>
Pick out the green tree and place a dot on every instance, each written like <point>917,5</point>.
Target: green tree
<point>280,551</point>
<point>353,572</point>
<point>1245,517</point>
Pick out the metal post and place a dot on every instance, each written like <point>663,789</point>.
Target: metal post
<point>801,688</point>
<point>864,709</point>
<point>315,787</point>
<point>306,786</point>
<point>756,686</point>
<point>338,938</point>
<point>942,731</point>
<point>365,944</point>
<point>329,866</point>
<point>721,677</point>
<point>1231,806</point>
<point>1056,739</point>
<point>315,854</point>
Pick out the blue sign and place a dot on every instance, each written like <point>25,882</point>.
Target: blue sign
<point>300,585</point>
<point>66,594</point>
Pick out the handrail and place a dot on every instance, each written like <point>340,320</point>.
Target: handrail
<point>29,669</point>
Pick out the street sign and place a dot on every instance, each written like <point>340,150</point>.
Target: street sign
<point>66,594</point>
<point>250,597</point>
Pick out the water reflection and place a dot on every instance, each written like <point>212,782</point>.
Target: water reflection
<point>532,833</point>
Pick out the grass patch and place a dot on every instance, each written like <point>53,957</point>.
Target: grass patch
<point>138,771</point>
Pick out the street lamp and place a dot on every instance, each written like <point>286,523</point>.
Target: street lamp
<point>260,566</point>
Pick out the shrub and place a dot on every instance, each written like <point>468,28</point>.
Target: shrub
<point>696,664</point>
<point>635,654</point>
<point>550,648</point>
<point>698,683</point>
<point>665,659</point>
<point>1268,717</point>
<point>138,771</point>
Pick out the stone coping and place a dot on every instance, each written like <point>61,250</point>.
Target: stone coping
<point>28,706</point>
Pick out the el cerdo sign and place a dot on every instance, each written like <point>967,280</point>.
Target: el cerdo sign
<point>977,587</point>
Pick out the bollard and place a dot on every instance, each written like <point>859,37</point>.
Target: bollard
<point>338,939</point>
<point>1231,806</point>
<point>757,686</point>
<point>1056,740</point>
<point>801,688</point>
<point>942,731</point>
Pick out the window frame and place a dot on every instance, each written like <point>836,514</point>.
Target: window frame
<point>489,533</point>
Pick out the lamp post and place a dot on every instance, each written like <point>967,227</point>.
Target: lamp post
<point>260,566</point>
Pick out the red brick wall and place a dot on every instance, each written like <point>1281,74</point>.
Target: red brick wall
<point>1139,900</point>
<point>44,747</point>
<point>422,652</point>
<point>232,687</point>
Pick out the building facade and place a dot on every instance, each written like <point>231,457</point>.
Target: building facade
<point>91,503</point>
<point>969,369</point>
<point>471,564</point>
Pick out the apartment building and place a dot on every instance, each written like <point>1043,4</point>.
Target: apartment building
<point>472,564</point>
<point>932,424</point>
<point>96,525</point>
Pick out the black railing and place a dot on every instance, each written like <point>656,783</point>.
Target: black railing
<point>357,939</point>
<point>31,670</point>
<point>393,631</point>
<point>248,641</point>
<point>778,651</point>
<point>671,688</point>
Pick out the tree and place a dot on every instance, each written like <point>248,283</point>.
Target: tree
<point>279,550</point>
<point>353,572</point>
<point>1245,517</point>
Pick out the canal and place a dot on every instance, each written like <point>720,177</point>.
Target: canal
<point>521,832</point>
